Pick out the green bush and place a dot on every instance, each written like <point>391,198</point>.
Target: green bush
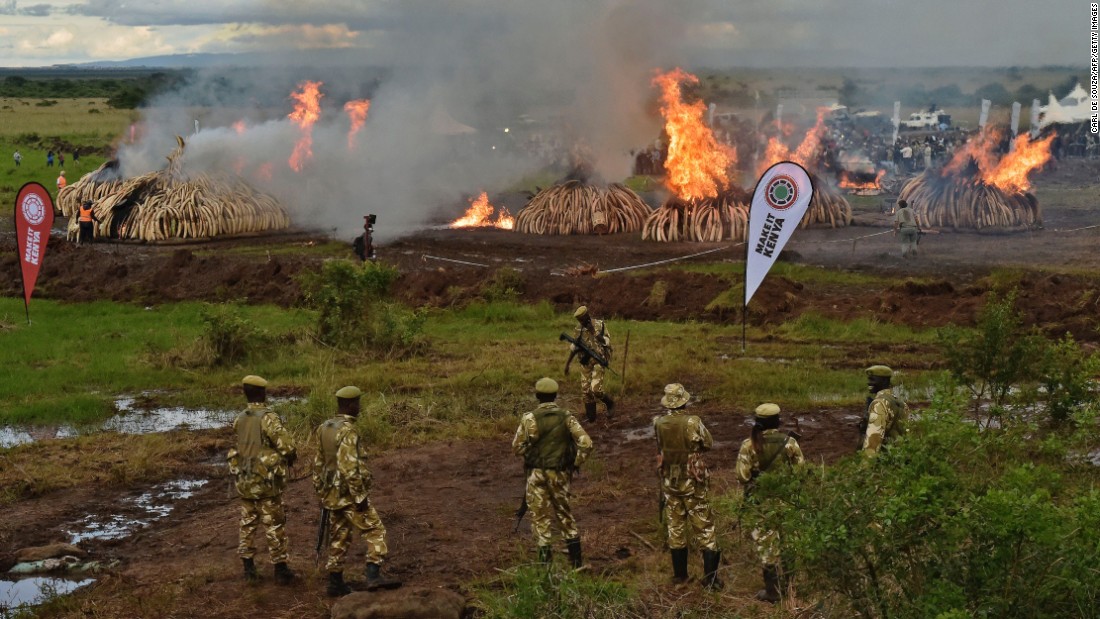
<point>1065,373</point>
<point>947,522</point>
<point>506,284</point>
<point>355,309</point>
<point>230,336</point>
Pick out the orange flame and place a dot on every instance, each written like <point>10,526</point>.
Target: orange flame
<point>1011,173</point>
<point>264,171</point>
<point>697,166</point>
<point>240,127</point>
<point>980,148</point>
<point>238,165</point>
<point>477,216</point>
<point>357,112</point>
<point>307,109</point>
<point>777,151</point>
<point>847,183</point>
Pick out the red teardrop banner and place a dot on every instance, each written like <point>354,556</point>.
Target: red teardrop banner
<point>33,220</point>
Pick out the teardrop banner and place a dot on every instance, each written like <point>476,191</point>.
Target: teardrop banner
<point>781,198</point>
<point>33,220</point>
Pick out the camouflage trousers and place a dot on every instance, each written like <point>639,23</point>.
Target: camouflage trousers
<point>548,500</point>
<point>269,512</point>
<point>592,382</point>
<point>342,522</point>
<point>766,543</point>
<point>687,514</point>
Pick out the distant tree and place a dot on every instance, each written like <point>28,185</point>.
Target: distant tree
<point>15,81</point>
<point>128,98</point>
<point>1027,92</point>
<point>849,92</point>
<point>995,92</point>
<point>1065,87</point>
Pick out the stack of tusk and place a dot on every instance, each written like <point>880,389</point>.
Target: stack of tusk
<point>165,205</point>
<point>574,207</point>
<point>967,202</point>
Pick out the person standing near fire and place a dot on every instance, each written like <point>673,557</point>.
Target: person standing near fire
<point>343,482</point>
<point>553,446</point>
<point>685,487</point>
<point>260,463</point>
<point>86,219</point>
<point>906,226</point>
<point>762,452</point>
<point>593,334</point>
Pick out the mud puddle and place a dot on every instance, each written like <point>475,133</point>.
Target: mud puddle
<point>17,596</point>
<point>131,419</point>
<point>135,512</point>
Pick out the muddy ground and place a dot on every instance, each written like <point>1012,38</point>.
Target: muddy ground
<point>448,506</point>
<point>452,526</point>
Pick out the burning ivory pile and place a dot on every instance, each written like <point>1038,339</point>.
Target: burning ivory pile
<point>827,207</point>
<point>170,205</point>
<point>575,207</point>
<point>708,220</point>
<point>957,201</point>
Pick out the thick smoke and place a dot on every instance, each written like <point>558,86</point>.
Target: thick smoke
<point>445,80</point>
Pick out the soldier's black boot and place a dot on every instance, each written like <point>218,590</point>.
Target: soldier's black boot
<point>545,554</point>
<point>375,579</point>
<point>610,404</point>
<point>590,411</point>
<point>679,564</point>
<point>336,585</point>
<point>711,560</point>
<point>250,570</point>
<point>574,546</point>
<point>283,575</point>
<point>770,592</point>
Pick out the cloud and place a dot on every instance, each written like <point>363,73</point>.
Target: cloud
<point>288,36</point>
<point>37,10</point>
<point>7,7</point>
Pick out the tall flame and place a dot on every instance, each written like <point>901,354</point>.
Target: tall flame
<point>357,112</point>
<point>1011,173</point>
<point>477,216</point>
<point>697,166</point>
<point>804,154</point>
<point>307,109</point>
<point>979,149</point>
<point>240,127</point>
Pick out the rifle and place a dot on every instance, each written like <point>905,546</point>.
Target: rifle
<point>866,419</point>
<point>586,350</point>
<point>520,512</point>
<point>322,531</point>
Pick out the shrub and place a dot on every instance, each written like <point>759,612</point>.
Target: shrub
<point>1065,372</point>
<point>505,285</point>
<point>229,335</point>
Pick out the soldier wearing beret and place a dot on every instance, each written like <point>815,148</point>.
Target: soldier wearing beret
<point>593,333</point>
<point>681,441</point>
<point>887,415</point>
<point>760,453</point>
<point>259,463</point>
<point>553,445</point>
<point>343,481</point>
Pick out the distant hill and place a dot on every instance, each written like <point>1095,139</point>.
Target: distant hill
<point>247,59</point>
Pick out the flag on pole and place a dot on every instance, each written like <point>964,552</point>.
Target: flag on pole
<point>1033,127</point>
<point>33,220</point>
<point>983,117</point>
<point>896,119</point>
<point>781,198</point>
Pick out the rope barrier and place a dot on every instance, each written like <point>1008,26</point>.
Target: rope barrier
<point>650,264</point>
<point>473,264</point>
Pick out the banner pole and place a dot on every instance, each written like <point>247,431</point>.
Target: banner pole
<point>744,310</point>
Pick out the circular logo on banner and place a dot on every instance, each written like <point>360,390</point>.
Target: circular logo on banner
<point>781,192</point>
<point>33,209</point>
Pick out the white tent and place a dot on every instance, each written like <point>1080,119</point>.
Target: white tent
<point>444,124</point>
<point>1073,108</point>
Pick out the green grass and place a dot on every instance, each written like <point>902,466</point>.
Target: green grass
<point>473,379</point>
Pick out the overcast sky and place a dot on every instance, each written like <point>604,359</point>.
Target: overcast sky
<point>718,33</point>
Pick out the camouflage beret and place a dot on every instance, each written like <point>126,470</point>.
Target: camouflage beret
<point>546,385</point>
<point>254,381</point>
<point>767,410</point>
<point>581,311</point>
<point>349,393</point>
<point>880,371</point>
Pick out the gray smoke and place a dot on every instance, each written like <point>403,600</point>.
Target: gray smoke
<point>434,71</point>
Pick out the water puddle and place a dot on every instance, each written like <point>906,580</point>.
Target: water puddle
<point>645,433</point>
<point>137,512</point>
<point>131,419</point>
<point>17,596</point>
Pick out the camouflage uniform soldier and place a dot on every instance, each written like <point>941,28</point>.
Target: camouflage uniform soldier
<point>343,482</point>
<point>259,464</point>
<point>759,454</point>
<point>593,333</point>
<point>553,445</point>
<point>681,441</point>
<point>887,415</point>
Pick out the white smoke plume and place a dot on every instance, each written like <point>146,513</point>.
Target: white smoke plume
<point>579,69</point>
